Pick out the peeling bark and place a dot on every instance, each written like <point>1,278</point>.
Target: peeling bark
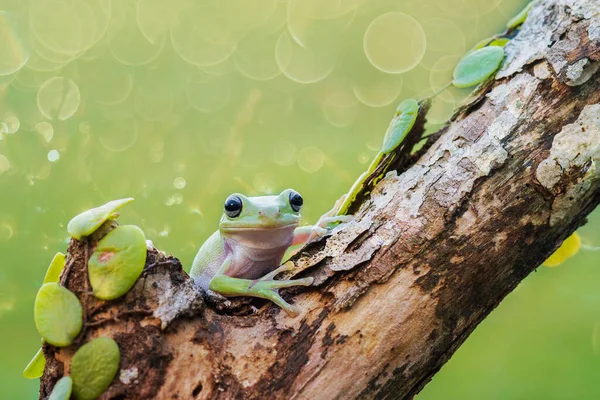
<point>429,254</point>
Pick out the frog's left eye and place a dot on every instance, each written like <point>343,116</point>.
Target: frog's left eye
<point>296,201</point>
<point>233,206</point>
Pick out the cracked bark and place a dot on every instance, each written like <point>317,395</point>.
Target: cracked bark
<point>399,289</point>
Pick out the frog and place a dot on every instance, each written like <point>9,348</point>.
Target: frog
<point>243,257</point>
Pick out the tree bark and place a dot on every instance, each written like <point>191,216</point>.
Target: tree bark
<point>429,254</point>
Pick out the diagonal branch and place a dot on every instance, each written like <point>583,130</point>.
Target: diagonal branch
<point>428,256</point>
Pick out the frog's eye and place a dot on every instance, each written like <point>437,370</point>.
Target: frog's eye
<point>296,201</point>
<point>233,206</point>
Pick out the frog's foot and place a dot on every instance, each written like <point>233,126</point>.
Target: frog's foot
<point>320,228</point>
<point>267,288</point>
<point>331,216</point>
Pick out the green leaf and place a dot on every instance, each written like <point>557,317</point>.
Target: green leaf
<point>519,18</point>
<point>501,42</point>
<point>567,249</point>
<point>356,188</point>
<point>481,44</point>
<point>117,262</point>
<point>403,121</point>
<point>56,266</point>
<point>57,314</point>
<point>93,367</point>
<point>477,66</point>
<point>35,368</point>
<point>62,389</point>
<point>88,221</point>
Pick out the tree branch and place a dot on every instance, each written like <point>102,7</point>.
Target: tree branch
<point>427,257</point>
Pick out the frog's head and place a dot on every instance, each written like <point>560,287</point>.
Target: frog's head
<point>263,213</point>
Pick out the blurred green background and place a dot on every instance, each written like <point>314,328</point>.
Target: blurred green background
<point>178,103</point>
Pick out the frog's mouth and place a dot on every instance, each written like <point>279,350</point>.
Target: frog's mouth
<point>243,228</point>
<point>261,237</point>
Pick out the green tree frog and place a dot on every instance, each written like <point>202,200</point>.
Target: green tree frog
<point>243,257</point>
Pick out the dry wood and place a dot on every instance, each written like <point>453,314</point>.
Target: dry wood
<point>400,288</point>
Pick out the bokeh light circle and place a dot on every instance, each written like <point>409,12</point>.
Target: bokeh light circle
<point>53,156</point>
<point>12,124</point>
<point>394,42</point>
<point>4,164</point>
<point>311,159</point>
<point>58,98</point>
<point>45,129</point>
<point>118,135</point>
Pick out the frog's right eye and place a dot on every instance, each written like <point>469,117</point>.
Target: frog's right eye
<point>233,206</point>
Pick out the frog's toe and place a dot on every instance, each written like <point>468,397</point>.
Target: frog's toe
<point>317,232</point>
<point>284,268</point>
<point>274,285</point>
<point>292,311</point>
<point>294,282</point>
<point>276,298</point>
<point>339,202</point>
<point>323,222</point>
<point>304,281</point>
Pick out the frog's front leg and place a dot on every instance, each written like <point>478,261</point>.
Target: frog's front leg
<point>305,234</point>
<point>265,287</point>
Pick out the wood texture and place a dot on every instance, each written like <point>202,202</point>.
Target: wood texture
<point>400,288</point>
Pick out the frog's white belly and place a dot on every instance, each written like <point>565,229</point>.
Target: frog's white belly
<point>249,263</point>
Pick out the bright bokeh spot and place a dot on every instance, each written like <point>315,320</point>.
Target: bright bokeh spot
<point>58,98</point>
<point>400,54</point>
<point>13,54</point>
<point>179,182</point>
<point>53,156</point>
